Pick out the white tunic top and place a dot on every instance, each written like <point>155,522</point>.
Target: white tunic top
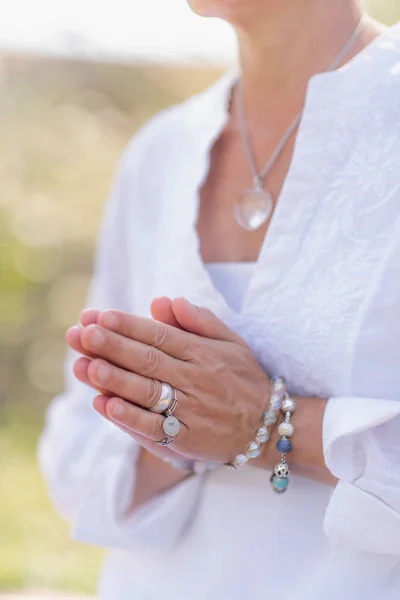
<point>322,308</point>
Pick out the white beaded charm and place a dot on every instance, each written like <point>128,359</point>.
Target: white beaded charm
<point>253,450</point>
<point>262,435</point>
<point>280,475</point>
<point>286,429</point>
<point>279,386</point>
<point>288,405</point>
<point>268,418</point>
<point>276,401</point>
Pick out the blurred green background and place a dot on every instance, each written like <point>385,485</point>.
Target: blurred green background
<point>63,126</point>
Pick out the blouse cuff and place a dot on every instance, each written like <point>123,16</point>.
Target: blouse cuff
<point>158,523</point>
<point>352,433</point>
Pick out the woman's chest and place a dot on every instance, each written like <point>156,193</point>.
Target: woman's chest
<point>229,178</point>
<point>327,281</point>
<point>324,287</point>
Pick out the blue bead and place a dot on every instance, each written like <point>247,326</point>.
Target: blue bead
<point>279,484</point>
<point>284,446</point>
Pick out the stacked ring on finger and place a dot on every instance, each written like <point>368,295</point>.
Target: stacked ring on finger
<point>165,401</point>
<point>166,405</point>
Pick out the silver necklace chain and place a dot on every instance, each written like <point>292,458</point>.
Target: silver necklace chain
<point>259,178</point>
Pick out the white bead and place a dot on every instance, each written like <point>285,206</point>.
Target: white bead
<point>279,387</point>
<point>239,461</point>
<point>262,435</point>
<point>253,450</point>
<point>288,405</point>
<point>286,429</point>
<point>275,401</point>
<point>270,417</point>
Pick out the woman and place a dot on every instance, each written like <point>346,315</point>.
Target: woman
<point>292,270</point>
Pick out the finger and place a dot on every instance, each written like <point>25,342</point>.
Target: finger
<point>143,391</point>
<point>161,310</point>
<point>73,339</point>
<point>73,334</point>
<point>168,339</point>
<point>99,404</point>
<point>143,422</point>
<point>89,316</point>
<point>202,321</point>
<point>80,369</point>
<point>164,452</point>
<point>134,356</point>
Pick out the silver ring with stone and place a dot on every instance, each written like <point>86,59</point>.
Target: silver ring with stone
<point>165,401</point>
<point>171,425</point>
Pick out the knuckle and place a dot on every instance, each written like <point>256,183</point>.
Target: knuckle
<point>93,368</point>
<point>193,351</point>
<point>121,381</point>
<point>205,355</point>
<point>160,335</point>
<point>100,372</point>
<point>150,361</point>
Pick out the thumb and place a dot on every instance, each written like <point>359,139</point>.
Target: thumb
<point>201,321</point>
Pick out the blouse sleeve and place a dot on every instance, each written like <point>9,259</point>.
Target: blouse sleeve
<point>88,464</point>
<point>362,449</point>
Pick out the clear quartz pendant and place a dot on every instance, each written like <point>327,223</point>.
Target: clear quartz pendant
<point>253,208</point>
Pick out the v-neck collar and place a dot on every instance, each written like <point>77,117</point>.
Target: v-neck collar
<point>298,200</point>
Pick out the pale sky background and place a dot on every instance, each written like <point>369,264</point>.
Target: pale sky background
<point>149,28</point>
<point>132,28</point>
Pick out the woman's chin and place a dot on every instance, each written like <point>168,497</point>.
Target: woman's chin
<point>214,8</point>
<point>235,12</point>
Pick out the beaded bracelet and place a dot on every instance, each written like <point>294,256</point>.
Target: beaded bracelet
<point>280,475</point>
<point>268,419</point>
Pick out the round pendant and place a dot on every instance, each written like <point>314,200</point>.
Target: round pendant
<point>253,208</point>
<point>171,426</point>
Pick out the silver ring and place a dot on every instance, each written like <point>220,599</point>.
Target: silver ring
<point>165,401</point>
<point>166,441</point>
<point>171,425</point>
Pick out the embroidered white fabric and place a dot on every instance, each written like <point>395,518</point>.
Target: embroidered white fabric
<point>322,308</point>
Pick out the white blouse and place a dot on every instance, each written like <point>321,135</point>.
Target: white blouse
<point>322,308</point>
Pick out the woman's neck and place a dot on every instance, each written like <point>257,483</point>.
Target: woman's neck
<point>278,56</point>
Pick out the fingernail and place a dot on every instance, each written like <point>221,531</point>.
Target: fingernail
<point>118,409</point>
<point>103,372</point>
<point>110,320</point>
<point>97,338</point>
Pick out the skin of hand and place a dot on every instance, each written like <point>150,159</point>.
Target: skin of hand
<point>221,388</point>
<point>155,476</point>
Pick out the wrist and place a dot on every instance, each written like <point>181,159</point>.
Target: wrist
<point>307,455</point>
<point>308,421</point>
